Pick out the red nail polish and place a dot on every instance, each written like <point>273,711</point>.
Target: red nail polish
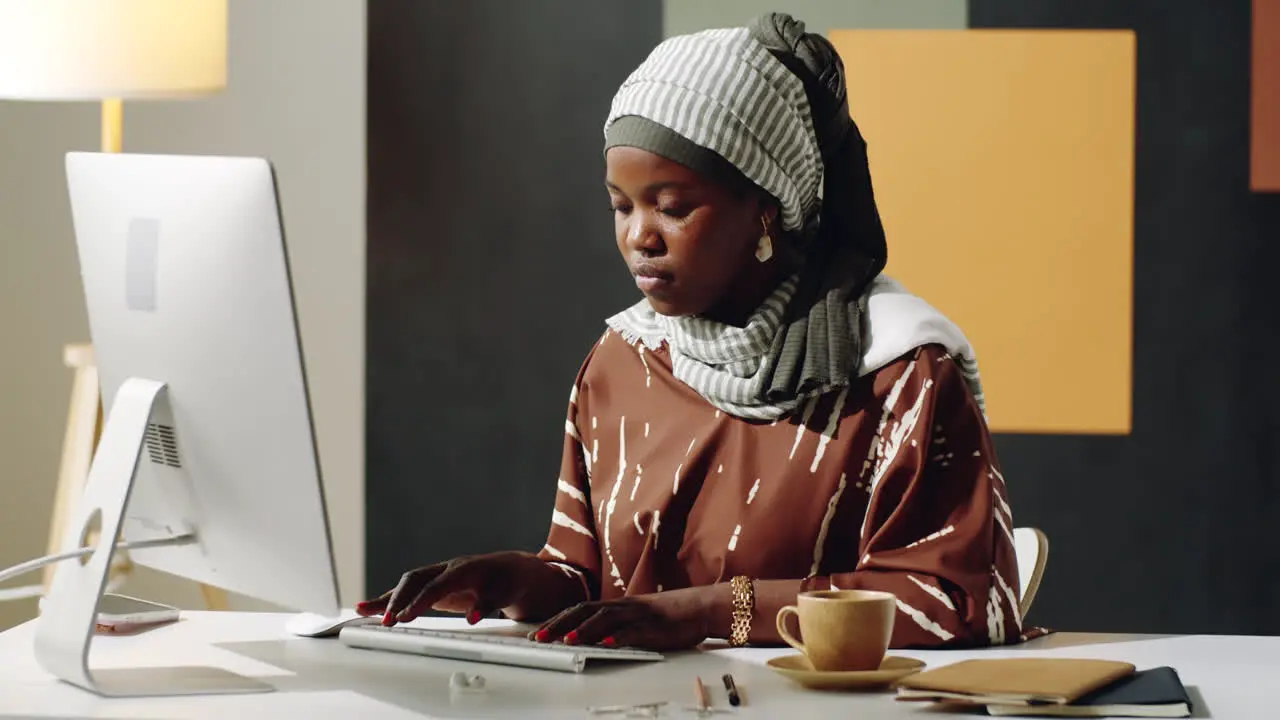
<point>609,642</point>
<point>542,635</point>
<point>571,638</point>
<point>387,619</point>
<point>473,617</point>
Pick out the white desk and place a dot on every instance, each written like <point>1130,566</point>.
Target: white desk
<point>1231,677</point>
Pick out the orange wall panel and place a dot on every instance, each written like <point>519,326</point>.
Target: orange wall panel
<point>1003,168</point>
<point>1264,160</point>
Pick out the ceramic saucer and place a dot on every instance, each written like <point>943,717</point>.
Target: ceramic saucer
<point>892,668</point>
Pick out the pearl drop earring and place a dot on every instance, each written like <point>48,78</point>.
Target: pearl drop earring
<point>764,248</point>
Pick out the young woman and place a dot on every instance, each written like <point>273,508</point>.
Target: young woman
<point>774,416</point>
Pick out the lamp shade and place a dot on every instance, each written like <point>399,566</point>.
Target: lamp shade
<point>108,49</point>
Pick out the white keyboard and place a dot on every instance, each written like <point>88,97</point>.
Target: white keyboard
<point>496,646</point>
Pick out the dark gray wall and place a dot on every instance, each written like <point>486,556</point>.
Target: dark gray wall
<point>1173,527</point>
<point>491,266</point>
<point>491,259</point>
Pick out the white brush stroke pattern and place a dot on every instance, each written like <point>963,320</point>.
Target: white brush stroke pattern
<point>935,592</point>
<point>899,432</point>
<point>595,449</point>
<point>564,521</point>
<point>995,618</point>
<point>886,408</point>
<point>925,622</point>
<point>833,420</point>
<point>1001,504</point>
<point>648,378</point>
<point>820,546</point>
<point>1009,595</point>
<point>613,503</point>
<point>733,541</point>
<point>572,572</point>
<point>1000,519</point>
<point>568,571</point>
<point>999,476</point>
<point>571,491</point>
<point>934,536</point>
<point>804,424</point>
<point>875,461</point>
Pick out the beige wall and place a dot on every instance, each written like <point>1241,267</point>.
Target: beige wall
<point>296,96</point>
<point>685,16</point>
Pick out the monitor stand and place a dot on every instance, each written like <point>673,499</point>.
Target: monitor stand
<point>68,621</point>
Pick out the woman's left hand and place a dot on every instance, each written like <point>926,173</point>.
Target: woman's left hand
<point>672,620</point>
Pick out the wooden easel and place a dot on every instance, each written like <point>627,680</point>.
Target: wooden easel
<point>84,426</point>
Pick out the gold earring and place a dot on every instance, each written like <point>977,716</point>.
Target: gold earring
<point>764,248</point>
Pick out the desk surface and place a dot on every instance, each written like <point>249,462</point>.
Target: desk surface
<point>1230,677</point>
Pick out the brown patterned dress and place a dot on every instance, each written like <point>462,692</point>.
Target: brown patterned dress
<point>891,484</point>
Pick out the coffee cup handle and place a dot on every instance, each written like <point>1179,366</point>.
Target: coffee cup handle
<point>790,639</point>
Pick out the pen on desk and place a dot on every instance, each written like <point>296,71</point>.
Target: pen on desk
<point>700,694</point>
<point>732,688</point>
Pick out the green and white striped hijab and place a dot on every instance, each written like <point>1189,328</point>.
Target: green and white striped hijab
<point>725,92</point>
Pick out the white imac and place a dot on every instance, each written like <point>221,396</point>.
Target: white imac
<point>208,431</point>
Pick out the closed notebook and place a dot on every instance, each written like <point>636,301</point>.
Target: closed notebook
<point>1013,681</point>
<point>1157,693</point>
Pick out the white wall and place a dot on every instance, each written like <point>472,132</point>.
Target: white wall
<point>296,94</point>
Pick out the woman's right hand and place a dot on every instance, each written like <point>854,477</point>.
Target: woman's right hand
<point>477,585</point>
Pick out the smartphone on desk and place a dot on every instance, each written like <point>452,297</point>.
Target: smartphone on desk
<point>121,614</point>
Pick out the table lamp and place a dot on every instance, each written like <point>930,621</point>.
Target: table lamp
<point>112,50</point>
<point>105,51</point>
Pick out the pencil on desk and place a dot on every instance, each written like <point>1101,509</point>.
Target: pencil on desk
<point>700,694</point>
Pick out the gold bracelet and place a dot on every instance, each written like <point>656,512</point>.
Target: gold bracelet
<point>744,602</point>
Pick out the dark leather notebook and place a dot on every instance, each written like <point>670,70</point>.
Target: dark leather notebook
<point>1157,693</point>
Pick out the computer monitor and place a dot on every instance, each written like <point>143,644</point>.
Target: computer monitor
<point>208,432</point>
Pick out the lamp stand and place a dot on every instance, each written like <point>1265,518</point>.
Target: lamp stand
<point>112,126</point>
<point>84,422</point>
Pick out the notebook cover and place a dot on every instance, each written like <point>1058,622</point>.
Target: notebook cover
<point>1157,692</point>
<point>1014,680</point>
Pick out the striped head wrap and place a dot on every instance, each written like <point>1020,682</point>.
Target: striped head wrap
<point>725,96</point>
<point>767,105</point>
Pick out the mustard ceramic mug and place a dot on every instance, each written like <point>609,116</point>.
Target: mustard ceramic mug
<point>842,630</point>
